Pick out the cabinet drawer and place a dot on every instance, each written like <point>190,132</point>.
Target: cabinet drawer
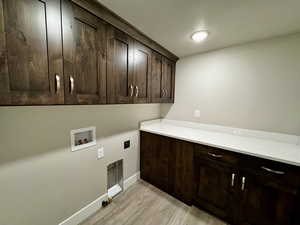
<point>211,153</point>
<point>276,173</point>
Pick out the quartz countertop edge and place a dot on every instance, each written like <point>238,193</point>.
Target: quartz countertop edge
<point>258,147</point>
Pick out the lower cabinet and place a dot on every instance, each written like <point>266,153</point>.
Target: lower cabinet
<point>181,163</point>
<point>239,189</point>
<point>155,152</point>
<point>214,188</point>
<point>168,165</point>
<point>262,203</point>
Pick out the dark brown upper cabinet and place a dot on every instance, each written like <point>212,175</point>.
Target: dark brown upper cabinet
<point>78,52</point>
<point>162,79</point>
<point>142,73</point>
<point>31,69</point>
<point>120,86</point>
<point>84,50</point>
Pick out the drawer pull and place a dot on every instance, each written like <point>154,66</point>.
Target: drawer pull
<point>137,91</point>
<point>131,90</point>
<point>71,84</point>
<point>215,155</point>
<point>243,183</point>
<point>232,179</point>
<point>272,171</point>
<point>57,79</point>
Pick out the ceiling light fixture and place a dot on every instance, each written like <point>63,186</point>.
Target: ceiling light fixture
<point>200,36</point>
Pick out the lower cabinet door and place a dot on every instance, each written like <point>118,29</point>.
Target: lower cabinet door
<point>155,151</point>
<point>181,170</point>
<point>149,146</point>
<point>265,203</point>
<point>162,175</point>
<point>215,188</point>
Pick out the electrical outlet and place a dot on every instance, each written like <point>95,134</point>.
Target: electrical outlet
<point>126,144</point>
<point>100,153</point>
<point>197,113</point>
<point>237,132</point>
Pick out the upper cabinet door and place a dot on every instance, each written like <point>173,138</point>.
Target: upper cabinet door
<point>168,81</point>
<point>156,77</point>
<point>84,48</point>
<point>30,52</point>
<point>142,73</point>
<point>120,87</point>
<point>162,79</point>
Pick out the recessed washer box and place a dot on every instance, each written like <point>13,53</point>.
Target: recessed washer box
<point>83,138</point>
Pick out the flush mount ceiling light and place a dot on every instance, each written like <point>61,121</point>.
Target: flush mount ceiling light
<point>199,36</point>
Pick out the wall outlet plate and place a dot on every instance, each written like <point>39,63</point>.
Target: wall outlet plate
<point>237,132</point>
<point>126,145</point>
<point>197,113</point>
<point>100,153</point>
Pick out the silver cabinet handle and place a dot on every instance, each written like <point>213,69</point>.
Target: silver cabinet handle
<point>215,155</point>
<point>163,92</point>
<point>57,79</point>
<point>166,92</point>
<point>131,90</point>
<point>71,84</point>
<point>272,171</point>
<point>232,179</point>
<point>137,91</point>
<point>243,183</point>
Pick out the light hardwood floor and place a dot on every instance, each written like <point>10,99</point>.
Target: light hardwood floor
<point>143,204</point>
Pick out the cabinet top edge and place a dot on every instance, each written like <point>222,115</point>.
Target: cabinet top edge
<point>115,20</point>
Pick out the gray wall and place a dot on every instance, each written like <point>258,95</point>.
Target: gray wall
<point>253,86</point>
<point>41,181</point>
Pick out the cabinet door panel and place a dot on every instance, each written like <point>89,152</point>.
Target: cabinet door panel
<point>142,73</point>
<point>149,146</point>
<point>155,160</point>
<point>30,52</point>
<point>263,204</point>
<point>181,172</point>
<point>163,163</point>
<point>156,76</point>
<point>84,56</point>
<point>162,79</point>
<point>215,187</point>
<point>168,81</point>
<point>120,67</point>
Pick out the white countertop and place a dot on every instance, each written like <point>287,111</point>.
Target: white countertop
<point>256,146</point>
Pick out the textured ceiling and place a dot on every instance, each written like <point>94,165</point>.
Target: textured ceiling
<point>230,22</point>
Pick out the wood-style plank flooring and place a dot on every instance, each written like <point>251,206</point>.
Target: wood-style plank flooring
<point>143,204</point>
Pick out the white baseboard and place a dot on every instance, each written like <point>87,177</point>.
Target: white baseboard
<point>91,208</point>
<point>131,180</point>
